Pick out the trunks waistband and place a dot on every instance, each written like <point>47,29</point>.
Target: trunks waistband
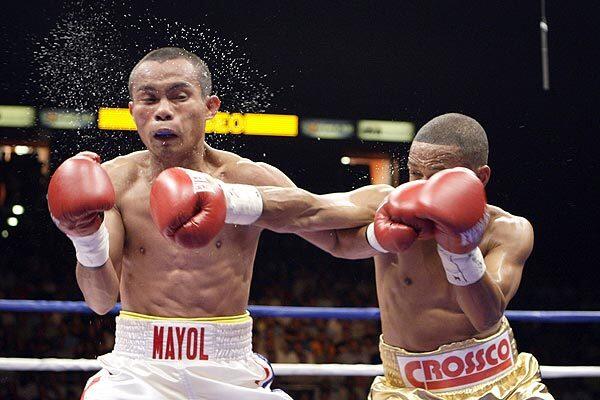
<point>183,339</point>
<point>452,366</point>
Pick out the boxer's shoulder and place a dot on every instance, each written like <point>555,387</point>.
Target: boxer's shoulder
<point>502,219</point>
<point>507,229</point>
<point>235,169</point>
<point>124,170</point>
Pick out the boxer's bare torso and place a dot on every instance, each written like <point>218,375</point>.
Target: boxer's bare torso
<point>157,277</point>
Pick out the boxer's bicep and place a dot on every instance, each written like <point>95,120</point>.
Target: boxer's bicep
<point>505,262</point>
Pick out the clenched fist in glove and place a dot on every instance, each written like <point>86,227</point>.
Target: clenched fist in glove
<point>451,205</point>
<point>78,194</point>
<point>191,207</point>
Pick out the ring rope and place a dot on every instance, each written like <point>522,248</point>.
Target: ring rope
<point>351,313</point>
<point>65,364</point>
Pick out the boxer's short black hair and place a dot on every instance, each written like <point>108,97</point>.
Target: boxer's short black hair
<point>457,130</point>
<point>173,53</point>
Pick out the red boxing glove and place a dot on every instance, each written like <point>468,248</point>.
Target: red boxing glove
<point>79,191</point>
<point>396,224</point>
<point>187,206</point>
<point>454,200</point>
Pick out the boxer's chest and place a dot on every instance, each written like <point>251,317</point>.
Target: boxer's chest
<point>144,242</point>
<point>415,279</point>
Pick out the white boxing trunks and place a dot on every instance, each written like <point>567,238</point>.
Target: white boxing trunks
<point>181,358</point>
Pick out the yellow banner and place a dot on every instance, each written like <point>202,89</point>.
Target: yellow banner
<point>117,119</point>
<point>271,124</point>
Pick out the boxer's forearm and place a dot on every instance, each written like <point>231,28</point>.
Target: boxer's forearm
<point>482,302</point>
<point>100,286</point>
<point>342,243</point>
<point>294,210</point>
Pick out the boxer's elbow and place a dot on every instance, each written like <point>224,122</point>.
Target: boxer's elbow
<point>486,323</point>
<point>483,303</point>
<point>101,304</point>
<point>99,286</point>
<point>489,318</point>
<point>101,309</point>
<point>336,248</point>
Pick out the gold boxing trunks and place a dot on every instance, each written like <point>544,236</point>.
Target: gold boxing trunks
<point>489,369</point>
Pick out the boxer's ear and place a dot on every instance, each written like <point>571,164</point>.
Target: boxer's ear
<point>483,173</point>
<point>213,103</point>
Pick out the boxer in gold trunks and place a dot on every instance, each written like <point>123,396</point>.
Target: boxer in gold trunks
<point>447,265</point>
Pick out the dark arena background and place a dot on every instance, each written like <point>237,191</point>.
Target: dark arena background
<point>355,80</point>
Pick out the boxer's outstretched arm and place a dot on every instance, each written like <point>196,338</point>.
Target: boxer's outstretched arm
<point>289,209</point>
<point>294,210</point>
<point>484,301</point>
<point>100,286</point>
<point>344,211</point>
<point>333,222</point>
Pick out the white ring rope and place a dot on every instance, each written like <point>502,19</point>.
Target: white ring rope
<point>65,364</point>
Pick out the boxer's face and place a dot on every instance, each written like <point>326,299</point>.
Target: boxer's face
<point>425,159</point>
<point>169,108</point>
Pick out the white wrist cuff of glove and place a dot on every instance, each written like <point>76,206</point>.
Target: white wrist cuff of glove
<point>244,203</point>
<point>462,269</point>
<point>372,239</point>
<point>92,250</point>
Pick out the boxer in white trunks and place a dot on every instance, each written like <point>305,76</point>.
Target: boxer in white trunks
<point>184,332</point>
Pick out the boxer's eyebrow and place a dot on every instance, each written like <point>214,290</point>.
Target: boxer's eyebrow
<point>180,85</point>
<point>146,88</point>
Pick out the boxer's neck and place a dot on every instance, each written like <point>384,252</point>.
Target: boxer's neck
<point>195,160</point>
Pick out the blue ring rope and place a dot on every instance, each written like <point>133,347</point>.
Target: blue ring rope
<point>352,313</point>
